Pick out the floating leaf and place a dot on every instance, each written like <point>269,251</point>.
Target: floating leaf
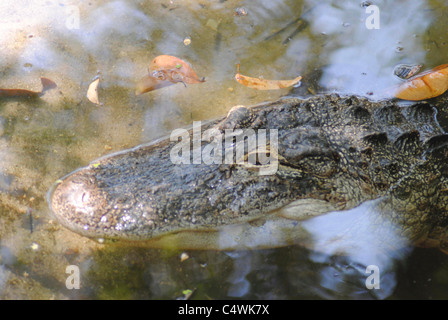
<point>47,84</point>
<point>164,71</point>
<point>92,92</point>
<point>171,64</point>
<point>426,85</point>
<point>262,84</point>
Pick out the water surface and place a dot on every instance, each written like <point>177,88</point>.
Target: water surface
<point>72,42</point>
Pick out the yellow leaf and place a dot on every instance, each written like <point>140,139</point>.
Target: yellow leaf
<point>262,84</point>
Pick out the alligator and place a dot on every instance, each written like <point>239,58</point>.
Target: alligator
<point>341,150</point>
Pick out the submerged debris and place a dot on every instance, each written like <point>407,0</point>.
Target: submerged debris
<point>300,24</point>
<point>213,24</point>
<point>184,256</point>
<point>240,12</point>
<point>187,41</point>
<point>187,293</point>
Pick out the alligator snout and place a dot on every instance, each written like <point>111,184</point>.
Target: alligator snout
<point>77,203</point>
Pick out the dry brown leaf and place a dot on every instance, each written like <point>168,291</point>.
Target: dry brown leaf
<point>426,85</point>
<point>262,84</point>
<point>47,84</point>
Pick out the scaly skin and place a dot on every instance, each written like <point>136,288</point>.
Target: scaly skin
<point>343,150</point>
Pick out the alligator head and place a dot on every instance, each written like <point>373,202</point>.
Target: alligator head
<point>341,151</point>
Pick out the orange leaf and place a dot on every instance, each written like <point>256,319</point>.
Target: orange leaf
<point>174,65</point>
<point>164,71</point>
<point>426,85</point>
<point>262,84</point>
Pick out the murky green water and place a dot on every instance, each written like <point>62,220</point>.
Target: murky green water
<point>71,42</point>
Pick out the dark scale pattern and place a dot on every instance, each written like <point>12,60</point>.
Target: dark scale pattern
<point>344,150</point>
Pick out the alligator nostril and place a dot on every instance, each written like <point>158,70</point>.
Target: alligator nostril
<point>85,197</point>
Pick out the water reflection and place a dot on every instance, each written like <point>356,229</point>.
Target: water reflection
<point>342,243</point>
<point>361,60</point>
<point>113,19</point>
<point>363,233</point>
<point>242,266</point>
<point>7,259</point>
<point>361,237</point>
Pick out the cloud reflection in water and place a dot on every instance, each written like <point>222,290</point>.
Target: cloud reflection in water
<point>353,239</point>
<point>359,60</point>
